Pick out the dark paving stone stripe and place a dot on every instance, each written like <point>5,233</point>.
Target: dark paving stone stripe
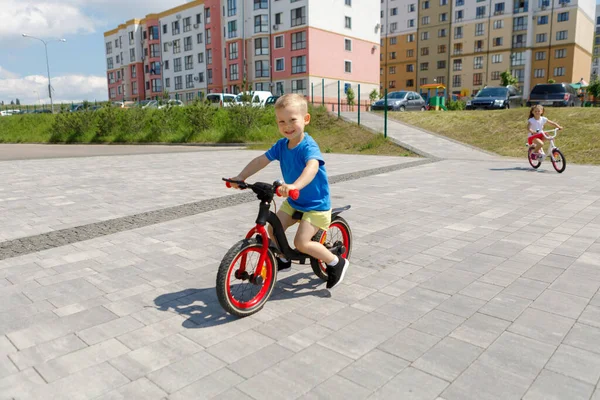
<point>49,240</point>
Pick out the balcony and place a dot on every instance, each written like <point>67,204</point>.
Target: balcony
<point>522,27</point>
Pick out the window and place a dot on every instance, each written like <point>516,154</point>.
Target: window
<point>457,65</point>
<point>540,55</point>
<point>425,51</point>
<point>189,62</point>
<point>131,40</point>
<point>260,4</point>
<point>207,15</point>
<point>176,64</point>
<point>156,85</point>
<point>425,5</point>
<point>410,83</point>
<point>233,51</point>
<point>394,11</point>
<point>542,20</point>
<point>133,71</point>
<point>410,23</point>
<point>443,17</point>
<point>199,18</point>
<point>279,64</point>
<point>456,81</point>
<point>348,66</point>
<point>187,43</point>
<point>519,24</point>
<point>178,83</point>
<point>495,75</point>
<point>410,53</point>
<point>394,40</point>
<point>347,22</point>
<point>423,81</point>
<point>458,48</point>
<point>165,29</point>
<point>425,21</point>
<point>176,46</point>
<point>232,29</point>
<point>261,23</point>
<point>458,32</point>
<point>441,48</point>
<point>261,69</point>
<point>117,59</point>
<point>233,72</point>
<point>424,35</point>
<point>410,37</point>
<point>209,76</point>
<point>441,64</point>
<point>209,56</point>
<point>299,40</point>
<point>189,81</point>
<point>348,44</point>
<point>518,41</point>
<point>478,46</point>
<point>477,79</point>
<point>392,70</point>
<point>348,2</point>
<point>424,66</point>
<point>442,32</point>
<point>559,71</point>
<point>131,55</point>
<point>393,26</point>
<point>166,64</point>
<point>153,32</point>
<point>560,53</point>
<point>155,68</point>
<point>562,17</point>
<point>499,9</point>
<point>134,88</point>
<point>200,38</point>
<point>166,47</point>
<point>392,84</point>
<point>410,68</point>
<point>441,79</point>
<point>279,42</point>
<point>187,24</point>
<point>541,37</point>
<point>478,62</point>
<point>561,35</point>
<point>231,7</point>
<point>200,58</point>
<point>208,36</point>
<point>175,28</point>
<point>499,24</point>
<point>412,8</point>
<point>497,41</point>
<point>480,12</point>
<point>261,46</point>
<point>298,16</point>
<point>201,77</point>
<point>496,58</point>
<point>299,86</point>
<point>459,15</point>
<point>479,29</point>
<point>517,59</point>
<point>539,73</point>
<point>298,64</point>
<point>392,55</point>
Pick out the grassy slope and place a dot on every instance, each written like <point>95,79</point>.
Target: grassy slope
<point>504,131</point>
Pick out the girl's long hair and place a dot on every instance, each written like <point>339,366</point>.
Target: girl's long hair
<point>534,107</point>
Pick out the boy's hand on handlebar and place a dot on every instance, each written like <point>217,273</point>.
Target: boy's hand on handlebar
<point>235,185</point>
<point>285,189</point>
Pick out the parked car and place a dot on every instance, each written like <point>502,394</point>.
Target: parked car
<point>495,97</point>
<point>172,103</point>
<point>256,98</point>
<point>401,101</point>
<point>554,95</point>
<point>270,101</point>
<point>221,99</point>
<point>7,113</point>
<point>148,104</point>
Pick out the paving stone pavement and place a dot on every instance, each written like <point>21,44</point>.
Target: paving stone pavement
<point>469,279</point>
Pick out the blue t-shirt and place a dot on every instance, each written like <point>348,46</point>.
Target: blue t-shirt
<point>315,195</point>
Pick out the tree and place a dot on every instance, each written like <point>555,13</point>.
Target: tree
<point>594,88</point>
<point>506,78</point>
<point>374,95</point>
<point>551,80</point>
<point>12,102</point>
<point>350,96</point>
<point>18,102</point>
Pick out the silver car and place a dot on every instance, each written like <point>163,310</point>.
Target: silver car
<point>401,101</point>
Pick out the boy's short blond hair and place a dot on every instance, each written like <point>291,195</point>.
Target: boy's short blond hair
<point>292,100</point>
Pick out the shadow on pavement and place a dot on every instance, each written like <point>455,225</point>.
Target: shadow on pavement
<point>202,309</point>
<point>527,169</point>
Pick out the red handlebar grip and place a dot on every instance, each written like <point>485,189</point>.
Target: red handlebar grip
<point>294,194</point>
<point>228,184</point>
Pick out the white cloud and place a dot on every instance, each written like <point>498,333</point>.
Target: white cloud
<point>68,88</point>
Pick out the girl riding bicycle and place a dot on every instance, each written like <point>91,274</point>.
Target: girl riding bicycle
<point>535,126</point>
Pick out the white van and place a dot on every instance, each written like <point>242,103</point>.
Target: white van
<point>221,99</point>
<point>258,97</point>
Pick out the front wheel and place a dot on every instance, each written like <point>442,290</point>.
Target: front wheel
<point>338,240</point>
<point>423,108</point>
<point>558,161</point>
<point>402,109</point>
<point>241,289</point>
<point>535,163</point>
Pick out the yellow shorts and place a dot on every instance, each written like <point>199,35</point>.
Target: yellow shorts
<point>320,219</point>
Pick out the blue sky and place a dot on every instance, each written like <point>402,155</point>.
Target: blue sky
<point>77,67</point>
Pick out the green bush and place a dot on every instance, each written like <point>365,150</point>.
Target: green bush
<point>456,105</point>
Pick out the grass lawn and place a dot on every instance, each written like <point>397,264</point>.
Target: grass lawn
<point>505,131</point>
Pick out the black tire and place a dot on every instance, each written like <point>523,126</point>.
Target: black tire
<point>341,225</point>
<point>534,163</point>
<point>561,163</point>
<point>402,109</point>
<point>251,249</point>
<point>423,108</point>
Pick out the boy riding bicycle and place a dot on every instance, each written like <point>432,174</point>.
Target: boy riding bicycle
<point>301,164</point>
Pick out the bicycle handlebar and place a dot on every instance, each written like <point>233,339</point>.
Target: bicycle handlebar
<point>294,194</point>
<point>555,130</point>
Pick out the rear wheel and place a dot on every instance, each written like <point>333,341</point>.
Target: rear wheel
<point>558,161</point>
<point>338,239</point>
<point>535,163</point>
<point>423,108</point>
<point>402,109</point>
<point>241,289</point>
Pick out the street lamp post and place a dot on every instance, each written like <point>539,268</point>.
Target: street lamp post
<point>47,63</point>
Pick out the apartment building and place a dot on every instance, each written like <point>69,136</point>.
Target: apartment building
<point>283,46</point>
<point>467,44</point>
<point>595,71</point>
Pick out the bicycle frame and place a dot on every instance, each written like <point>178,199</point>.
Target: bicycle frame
<point>552,146</point>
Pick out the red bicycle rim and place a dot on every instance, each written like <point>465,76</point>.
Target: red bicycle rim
<point>263,290</point>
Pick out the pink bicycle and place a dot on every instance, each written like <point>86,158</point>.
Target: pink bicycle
<point>556,156</point>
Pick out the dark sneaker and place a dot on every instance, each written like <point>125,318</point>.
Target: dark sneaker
<point>283,265</point>
<point>335,273</point>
